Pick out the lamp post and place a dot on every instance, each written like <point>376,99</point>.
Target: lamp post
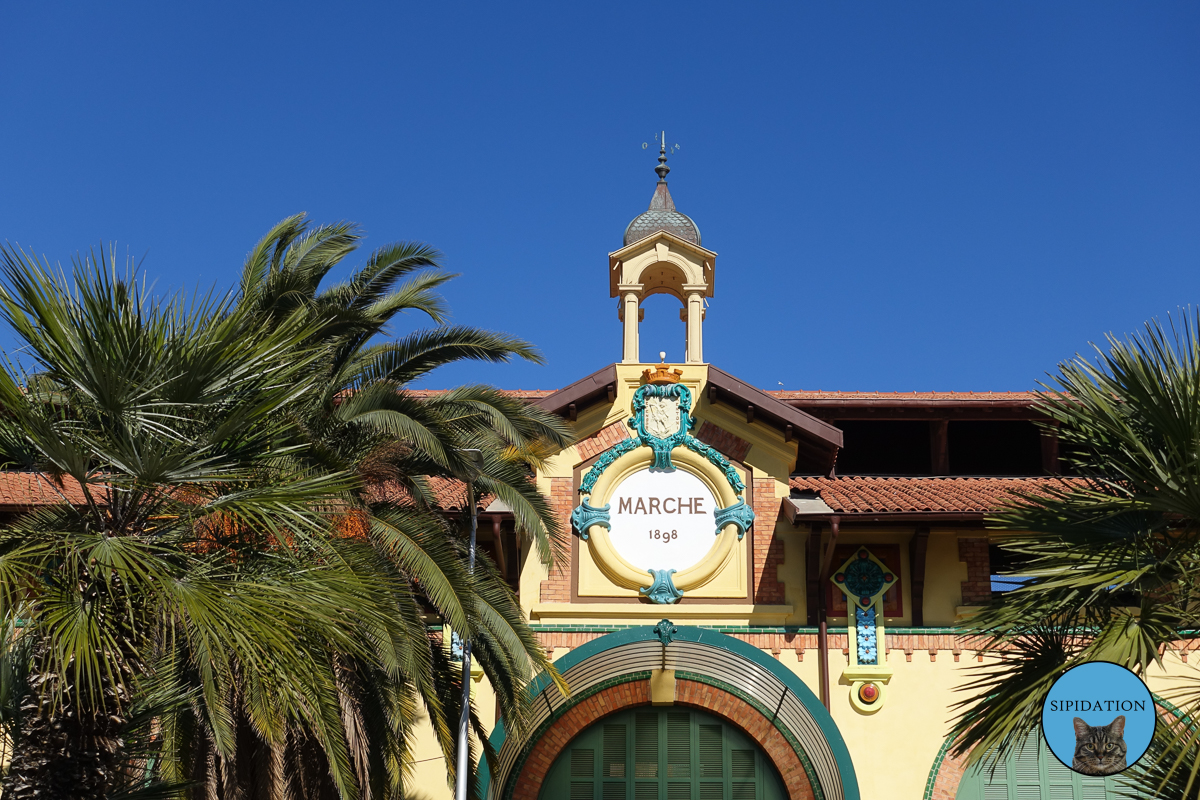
<point>464,717</point>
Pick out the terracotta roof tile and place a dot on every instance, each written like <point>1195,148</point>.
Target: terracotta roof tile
<point>521,394</point>
<point>449,494</point>
<point>870,495</point>
<point>30,489</point>
<point>804,394</point>
<point>894,396</point>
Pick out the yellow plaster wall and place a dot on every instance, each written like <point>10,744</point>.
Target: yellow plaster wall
<point>944,575</point>
<point>429,778</point>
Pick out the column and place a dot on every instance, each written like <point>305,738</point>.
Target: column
<point>630,300</point>
<point>695,319</point>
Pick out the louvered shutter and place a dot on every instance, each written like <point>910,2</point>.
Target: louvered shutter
<point>662,754</point>
<point>1032,773</point>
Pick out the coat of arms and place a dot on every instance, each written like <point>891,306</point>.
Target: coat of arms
<point>662,416</point>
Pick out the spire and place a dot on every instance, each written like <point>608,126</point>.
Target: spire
<point>661,201</point>
<point>662,169</point>
<point>662,216</point>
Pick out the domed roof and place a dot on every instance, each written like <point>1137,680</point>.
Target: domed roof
<point>662,215</point>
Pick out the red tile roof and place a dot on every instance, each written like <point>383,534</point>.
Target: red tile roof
<point>803,394</point>
<point>521,394</point>
<point>449,494</point>
<point>867,495</point>
<point>30,489</point>
<point>956,396</point>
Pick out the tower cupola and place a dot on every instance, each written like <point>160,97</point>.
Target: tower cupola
<point>661,254</point>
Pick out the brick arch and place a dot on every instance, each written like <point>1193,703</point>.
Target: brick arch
<point>688,693</point>
<point>947,773</point>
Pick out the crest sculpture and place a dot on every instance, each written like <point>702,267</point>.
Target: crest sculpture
<point>662,423</point>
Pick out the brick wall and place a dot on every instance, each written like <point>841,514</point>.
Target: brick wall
<point>734,448</point>
<point>557,587</point>
<point>895,644</point>
<point>977,588</point>
<point>949,775</point>
<point>768,549</point>
<point>637,693</point>
<point>601,440</point>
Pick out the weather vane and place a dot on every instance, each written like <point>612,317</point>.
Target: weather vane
<point>661,140</point>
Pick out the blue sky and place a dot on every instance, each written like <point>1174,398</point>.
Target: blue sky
<point>904,196</point>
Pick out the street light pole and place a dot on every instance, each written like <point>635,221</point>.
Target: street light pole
<point>464,718</point>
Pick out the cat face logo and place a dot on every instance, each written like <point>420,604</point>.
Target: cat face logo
<point>1100,749</point>
<point>1098,718</point>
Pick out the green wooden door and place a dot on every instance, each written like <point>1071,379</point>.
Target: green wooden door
<point>662,754</point>
<point>1032,774</point>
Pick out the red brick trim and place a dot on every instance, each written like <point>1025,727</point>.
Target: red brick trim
<point>557,586</point>
<point>767,589</point>
<point>733,447</point>
<point>637,693</point>
<point>977,588</point>
<point>950,774</point>
<point>601,440</point>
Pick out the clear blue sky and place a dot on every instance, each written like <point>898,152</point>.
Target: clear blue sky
<point>904,196</point>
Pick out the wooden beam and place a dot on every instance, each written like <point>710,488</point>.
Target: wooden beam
<point>749,414</point>
<point>827,557</point>
<point>823,615</point>
<point>939,446</point>
<point>712,393</point>
<point>789,433</point>
<point>612,392</point>
<point>918,546</point>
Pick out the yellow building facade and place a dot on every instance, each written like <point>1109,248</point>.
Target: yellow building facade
<point>761,587</point>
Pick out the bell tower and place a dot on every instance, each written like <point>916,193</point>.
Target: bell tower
<point>662,255</point>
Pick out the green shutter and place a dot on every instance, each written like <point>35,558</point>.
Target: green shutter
<point>712,756</point>
<point>679,744</point>
<point>1032,772</point>
<point>614,790</point>
<point>662,754</point>
<point>583,762</point>
<point>645,746</point>
<point>614,751</point>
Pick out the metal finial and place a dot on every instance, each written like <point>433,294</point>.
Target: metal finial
<point>662,169</point>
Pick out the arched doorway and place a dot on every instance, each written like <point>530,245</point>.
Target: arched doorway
<point>662,754</point>
<point>675,668</point>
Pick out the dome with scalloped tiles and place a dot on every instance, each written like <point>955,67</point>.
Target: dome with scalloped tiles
<point>662,215</point>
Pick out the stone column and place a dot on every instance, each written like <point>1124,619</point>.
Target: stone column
<point>631,295</point>
<point>695,319</point>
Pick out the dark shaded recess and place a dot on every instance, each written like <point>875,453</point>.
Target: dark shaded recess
<point>884,447</point>
<point>1003,561</point>
<point>995,448</point>
<point>1067,456</point>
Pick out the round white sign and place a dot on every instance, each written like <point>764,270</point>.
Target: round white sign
<point>662,519</point>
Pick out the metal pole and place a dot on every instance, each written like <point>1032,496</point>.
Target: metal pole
<point>464,718</point>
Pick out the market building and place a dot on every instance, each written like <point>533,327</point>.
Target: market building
<point>762,585</point>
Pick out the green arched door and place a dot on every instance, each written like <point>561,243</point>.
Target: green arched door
<point>662,754</point>
<point>1032,773</point>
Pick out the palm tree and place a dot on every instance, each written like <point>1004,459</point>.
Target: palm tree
<point>365,419</point>
<point>1123,533</point>
<point>191,540</point>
